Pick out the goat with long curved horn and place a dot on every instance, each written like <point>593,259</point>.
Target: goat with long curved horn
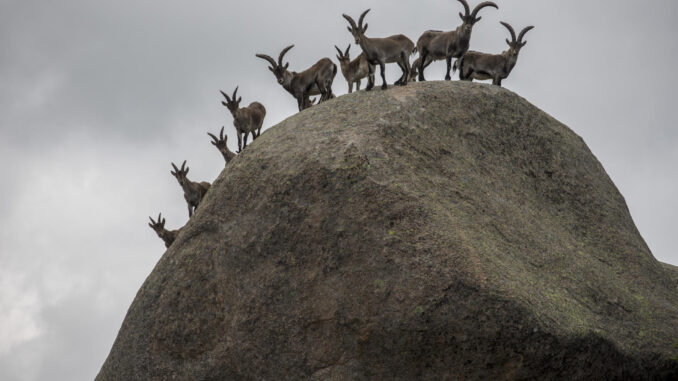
<point>380,51</point>
<point>435,45</point>
<point>481,66</point>
<point>316,80</point>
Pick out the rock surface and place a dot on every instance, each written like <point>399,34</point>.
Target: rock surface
<point>440,231</point>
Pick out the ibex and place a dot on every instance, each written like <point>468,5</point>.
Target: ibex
<point>354,71</point>
<point>221,145</point>
<point>247,119</point>
<point>380,51</point>
<point>193,192</point>
<point>313,81</point>
<point>166,235</point>
<point>481,66</point>
<point>435,45</point>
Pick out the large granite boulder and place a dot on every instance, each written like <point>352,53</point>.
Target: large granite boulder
<point>438,231</point>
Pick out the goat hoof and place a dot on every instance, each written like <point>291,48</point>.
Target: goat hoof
<point>384,86</point>
<point>448,78</point>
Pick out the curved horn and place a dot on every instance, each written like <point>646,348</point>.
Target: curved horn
<point>350,20</point>
<point>481,6</point>
<point>347,49</point>
<point>183,165</point>
<point>362,17</point>
<point>234,93</point>
<point>175,168</point>
<point>510,28</point>
<point>214,138</point>
<point>221,133</point>
<point>225,96</point>
<point>522,33</point>
<point>268,58</point>
<point>151,218</point>
<point>467,9</point>
<point>282,54</point>
<point>339,50</point>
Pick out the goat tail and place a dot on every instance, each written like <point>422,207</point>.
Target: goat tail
<point>414,51</point>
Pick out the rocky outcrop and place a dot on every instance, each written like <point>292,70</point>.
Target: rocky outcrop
<point>442,230</point>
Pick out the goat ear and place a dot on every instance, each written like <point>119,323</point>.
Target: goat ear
<point>224,103</point>
<point>349,29</point>
<point>508,42</point>
<point>477,19</point>
<point>239,99</point>
<point>271,69</point>
<point>461,16</point>
<point>286,66</point>
<point>523,44</point>
<point>364,28</point>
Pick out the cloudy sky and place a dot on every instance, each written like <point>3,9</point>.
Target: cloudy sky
<point>98,97</point>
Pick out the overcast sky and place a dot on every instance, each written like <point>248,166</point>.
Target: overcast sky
<point>98,97</point>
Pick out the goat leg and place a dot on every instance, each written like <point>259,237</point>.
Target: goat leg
<point>247,133</point>
<point>382,67</point>
<point>448,60</point>
<point>239,142</point>
<point>370,80</point>
<point>407,68</point>
<point>422,59</point>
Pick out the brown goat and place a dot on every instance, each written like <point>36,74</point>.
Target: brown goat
<point>481,66</point>
<point>313,81</point>
<point>354,71</point>
<point>221,145</point>
<point>246,119</point>
<point>168,236</point>
<point>193,192</point>
<point>435,45</point>
<point>380,51</point>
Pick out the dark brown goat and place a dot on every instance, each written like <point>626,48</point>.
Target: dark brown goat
<point>380,51</point>
<point>246,119</point>
<point>481,66</point>
<point>435,45</point>
<point>168,236</point>
<point>221,145</point>
<point>354,71</point>
<point>313,81</point>
<point>193,192</point>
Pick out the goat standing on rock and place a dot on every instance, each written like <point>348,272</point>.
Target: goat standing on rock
<point>247,119</point>
<point>168,236</point>
<point>380,51</point>
<point>221,145</point>
<point>354,71</point>
<point>481,66</point>
<point>436,45</point>
<point>193,192</point>
<point>313,81</point>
